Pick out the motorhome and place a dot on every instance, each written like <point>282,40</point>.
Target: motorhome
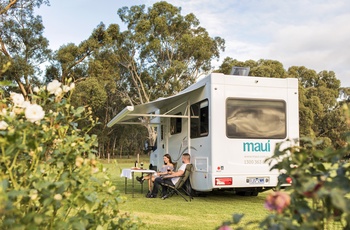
<point>229,124</point>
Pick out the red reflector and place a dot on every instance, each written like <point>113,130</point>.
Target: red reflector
<point>289,180</point>
<point>223,181</point>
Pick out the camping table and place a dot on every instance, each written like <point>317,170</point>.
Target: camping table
<point>129,174</point>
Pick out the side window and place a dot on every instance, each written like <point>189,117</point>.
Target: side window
<point>200,119</point>
<point>246,118</point>
<point>175,124</point>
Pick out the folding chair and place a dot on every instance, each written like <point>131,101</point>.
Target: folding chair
<point>180,185</point>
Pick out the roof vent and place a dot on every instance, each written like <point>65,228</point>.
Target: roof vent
<point>241,71</point>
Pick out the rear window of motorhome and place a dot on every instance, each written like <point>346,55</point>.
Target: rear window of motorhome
<point>260,119</point>
<point>200,119</point>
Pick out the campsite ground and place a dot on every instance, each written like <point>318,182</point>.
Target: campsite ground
<point>204,212</point>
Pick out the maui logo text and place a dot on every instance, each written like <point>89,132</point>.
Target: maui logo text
<point>256,146</point>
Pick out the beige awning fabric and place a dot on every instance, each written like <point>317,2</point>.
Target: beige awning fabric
<point>131,112</point>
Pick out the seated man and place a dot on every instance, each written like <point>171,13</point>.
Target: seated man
<point>172,178</point>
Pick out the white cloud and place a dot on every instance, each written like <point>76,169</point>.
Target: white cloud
<point>317,45</point>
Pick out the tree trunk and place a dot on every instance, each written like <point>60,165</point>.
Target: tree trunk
<point>121,150</point>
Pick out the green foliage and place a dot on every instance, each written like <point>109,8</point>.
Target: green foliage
<point>320,113</point>
<point>162,52</point>
<point>260,68</point>
<point>90,92</point>
<point>49,175</point>
<point>23,44</point>
<point>319,197</point>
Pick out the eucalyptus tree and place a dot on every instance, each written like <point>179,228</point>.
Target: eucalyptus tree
<point>99,90</point>
<point>23,48</point>
<point>160,53</point>
<point>70,61</point>
<point>228,63</point>
<point>260,68</point>
<point>268,68</point>
<point>320,113</point>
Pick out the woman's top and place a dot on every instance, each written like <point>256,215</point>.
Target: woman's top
<point>164,169</point>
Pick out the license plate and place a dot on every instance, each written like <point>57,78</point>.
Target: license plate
<point>256,180</point>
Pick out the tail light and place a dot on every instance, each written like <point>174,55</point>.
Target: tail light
<point>223,181</point>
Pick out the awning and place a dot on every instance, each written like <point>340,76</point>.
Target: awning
<point>130,112</point>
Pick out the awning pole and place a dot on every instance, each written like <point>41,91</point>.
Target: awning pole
<point>188,127</point>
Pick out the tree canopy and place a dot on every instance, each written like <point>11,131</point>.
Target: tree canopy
<point>161,52</point>
<point>22,43</point>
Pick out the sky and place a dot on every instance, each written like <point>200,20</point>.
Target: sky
<point>310,33</point>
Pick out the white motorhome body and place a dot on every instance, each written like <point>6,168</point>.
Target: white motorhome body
<point>229,124</point>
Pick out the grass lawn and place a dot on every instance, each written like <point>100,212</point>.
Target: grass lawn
<point>205,212</point>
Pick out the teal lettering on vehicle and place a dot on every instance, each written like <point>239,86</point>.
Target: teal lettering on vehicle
<point>256,146</point>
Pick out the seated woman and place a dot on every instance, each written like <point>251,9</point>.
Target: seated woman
<point>168,166</point>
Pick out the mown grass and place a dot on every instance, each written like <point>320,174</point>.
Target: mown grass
<point>204,212</point>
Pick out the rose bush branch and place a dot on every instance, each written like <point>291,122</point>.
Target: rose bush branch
<point>48,166</point>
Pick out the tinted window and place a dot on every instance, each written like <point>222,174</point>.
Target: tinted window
<point>200,119</point>
<point>175,124</point>
<point>255,119</point>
